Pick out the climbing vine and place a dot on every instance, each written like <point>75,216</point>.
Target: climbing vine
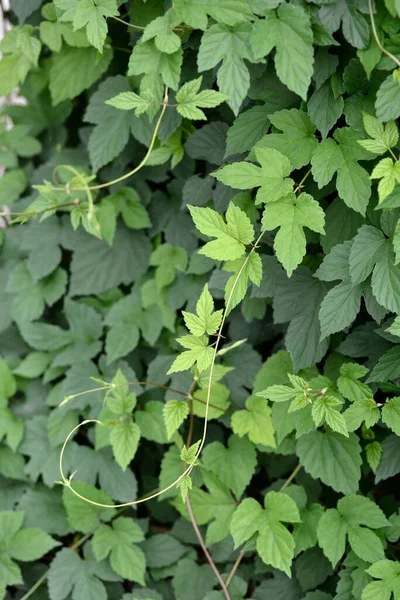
<point>199,247</point>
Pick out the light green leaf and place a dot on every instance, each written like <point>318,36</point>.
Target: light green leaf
<point>206,320</point>
<point>255,421</point>
<point>231,237</point>
<point>388,574</point>
<point>124,438</point>
<point>391,414</point>
<point>175,412</point>
<point>272,177</point>
<point>198,352</point>
<point>191,100</point>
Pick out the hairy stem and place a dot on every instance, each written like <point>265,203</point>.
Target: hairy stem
<point>204,548</point>
<point>376,36</point>
<point>241,555</point>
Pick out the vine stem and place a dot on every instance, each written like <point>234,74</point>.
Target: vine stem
<point>135,170</point>
<point>376,36</point>
<point>188,470</point>
<point>204,548</point>
<point>241,555</point>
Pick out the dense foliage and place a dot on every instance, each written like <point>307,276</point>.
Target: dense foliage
<point>202,196</point>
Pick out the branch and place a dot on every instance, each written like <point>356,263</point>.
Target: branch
<point>206,552</point>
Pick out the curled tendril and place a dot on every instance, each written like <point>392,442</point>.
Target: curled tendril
<point>86,188</point>
<point>67,481</point>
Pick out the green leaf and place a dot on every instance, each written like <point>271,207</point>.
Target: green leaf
<point>92,16</point>
<point>367,248</point>
<point>339,308</point>
<point>361,411</point>
<point>220,400</point>
<point>247,129</point>
<point>124,438</point>
<point>11,428</point>
<point>198,352</point>
<point>325,409</point>
<point>119,543</point>
<point>244,269</point>
<point>373,453</point>
<point>291,214</point>
<point>388,574</point>
<point>175,412</point>
<point>230,45</point>
<point>352,513</point>
<point>391,414</point>
<point>130,101</point>
<point>349,385</point>
<point>151,422</point>
<point>272,177</point>
<point>82,515</point>
<point>229,12</point>
<point>275,544</point>
<point>216,506</point>
<point>332,457</point>
<point>162,550</point>
<point>188,455</point>
<point>69,573</point>
<point>231,237</point>
<point>387,104</point>
<point>255,421</point>
<point>75,69</point>
<point>324,108</point>
<point>297,140</point>
<point>157,67</point>
<point>206,320</point>
<point>388,172</point>
<point>191,100</point>
<point>289,30</point>
<point>341,155</point>
<point>161,30</point>
<point>234,466</point>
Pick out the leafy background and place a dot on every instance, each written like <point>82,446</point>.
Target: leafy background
<point>305,415</point>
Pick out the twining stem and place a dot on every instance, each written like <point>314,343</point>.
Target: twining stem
<point>241,555</point>
<point>204,548</point>
<point>135,170</point>
<point>300,185</point>
<point>138,27</point>
<point>67,482</point>
<point>376,36</point>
